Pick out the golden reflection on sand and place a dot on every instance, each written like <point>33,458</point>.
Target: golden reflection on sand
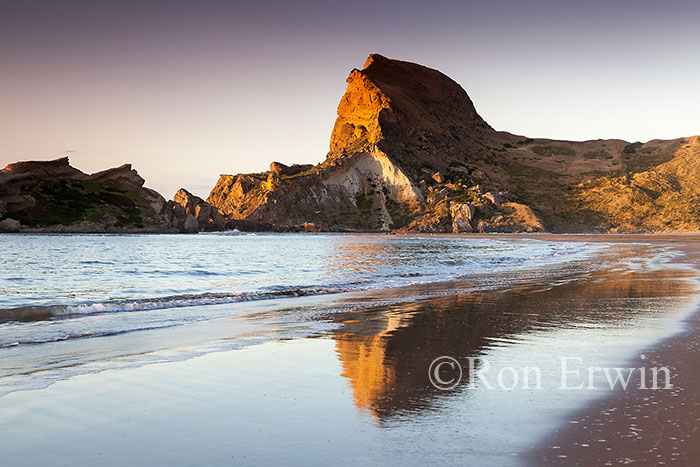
<point>385,352</point>
<point>364,356</point>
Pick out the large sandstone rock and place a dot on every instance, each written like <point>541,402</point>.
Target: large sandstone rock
<point>10,225</point>
<point>398,124</point>
<point>398,104</point>
<point>462,215</point>
<point>206,215</point>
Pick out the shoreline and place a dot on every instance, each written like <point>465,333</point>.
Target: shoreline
<point>370,299</point>
<point>652,427</point>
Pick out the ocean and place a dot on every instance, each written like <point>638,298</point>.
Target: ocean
<point>58,287</point>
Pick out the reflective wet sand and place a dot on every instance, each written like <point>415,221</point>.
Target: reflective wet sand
<point>640,426</point>
<point>385,353</point>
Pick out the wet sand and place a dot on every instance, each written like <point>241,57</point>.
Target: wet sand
<point>637,426</point>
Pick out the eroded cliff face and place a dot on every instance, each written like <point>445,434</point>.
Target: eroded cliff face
<point>409,152</point>
<point>362,191</point>
<point>52,196</point>
<point>399,124</point>
<point>410,111</point>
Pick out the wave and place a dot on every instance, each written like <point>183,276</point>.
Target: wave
<point>43,313</point>
<point>434,268</point>
<point>82,335</point>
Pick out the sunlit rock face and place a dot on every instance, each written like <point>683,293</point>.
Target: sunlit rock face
<point>205,217</point>
<point>408,148</point>
<point>402,106</point>
<point>394,117</point>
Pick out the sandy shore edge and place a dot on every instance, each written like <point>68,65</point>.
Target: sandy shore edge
<point>640,427</point>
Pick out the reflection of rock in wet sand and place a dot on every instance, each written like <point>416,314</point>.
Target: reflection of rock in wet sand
<point>386,352</point>
<point>363,356</point>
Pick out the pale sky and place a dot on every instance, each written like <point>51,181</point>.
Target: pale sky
<point>186,90</point>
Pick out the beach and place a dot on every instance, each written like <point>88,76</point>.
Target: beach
<point>639,426</point>
<point>344,377</point>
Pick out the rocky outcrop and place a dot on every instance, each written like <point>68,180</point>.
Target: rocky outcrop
<point>10,225</point>
<point>52,196</point>
<point>462,215</point>
<point>408,152</point>
<point>360,192</point>
<point>124,175</point>
<point>409,108</point>
<point>20,174</point>
<point>279,169</point>
<point>195,214</point>
<point>398,126</point>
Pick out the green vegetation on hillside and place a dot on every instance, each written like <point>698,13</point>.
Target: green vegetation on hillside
<point>68,201</point>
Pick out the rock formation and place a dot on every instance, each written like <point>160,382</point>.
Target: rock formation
<point>10,225</point>
<point>462,215</point>
<point>196,214</point>
<point>409,151</point>
<point>399,157</point>
<point>52,196</point>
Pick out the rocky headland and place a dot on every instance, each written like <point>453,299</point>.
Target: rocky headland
<point>53,196</point>
<point>408,153</point>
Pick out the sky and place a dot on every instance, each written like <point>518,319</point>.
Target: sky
<point>187,90</point>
